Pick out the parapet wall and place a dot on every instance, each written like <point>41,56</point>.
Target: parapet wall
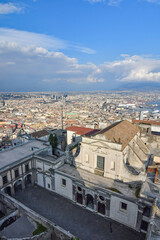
<point>53,232</point>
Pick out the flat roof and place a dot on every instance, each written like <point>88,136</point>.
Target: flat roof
<point>95,181</point>
<point>20,152</point>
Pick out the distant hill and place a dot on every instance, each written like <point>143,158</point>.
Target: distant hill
<point>139,86</point>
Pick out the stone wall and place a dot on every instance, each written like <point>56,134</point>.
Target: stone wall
<point>53,231</point>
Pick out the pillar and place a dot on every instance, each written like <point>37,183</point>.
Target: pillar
<point>12,190</point>
<point>95,204</point>
<point>74,193</point>
<point>23,183</point>
<point>84,200</point>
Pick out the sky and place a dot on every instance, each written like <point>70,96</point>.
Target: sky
<point>78,45</point>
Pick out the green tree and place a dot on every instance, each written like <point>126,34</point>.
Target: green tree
<point>53,140</point>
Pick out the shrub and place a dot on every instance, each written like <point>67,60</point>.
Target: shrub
<point>137,192</point>
<point>40,229</point>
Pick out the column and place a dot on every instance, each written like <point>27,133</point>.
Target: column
<point>95,204</point>
<point>74,193</point>
<point>107,207</point>
<point>84,198</point>
<point>23,183</point>
<point>12,190</point>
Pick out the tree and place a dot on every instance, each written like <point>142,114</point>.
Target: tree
<point>53,140</point>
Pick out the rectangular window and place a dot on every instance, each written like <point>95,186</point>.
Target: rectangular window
<point>49,185</point>
<point>16,173</point>
<point>63,182</point>
<point>5,180</point>
<point>112,165</point>
<point>123,206</point>
<point>26,168</point>
<point>100,162</point>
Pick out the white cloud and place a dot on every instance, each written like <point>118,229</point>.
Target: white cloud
<point>24,38</point>
<point>114,3</point>
<point>95,1</point>
<point>35,58</point>
<point>84,49</point>
<point>7,8</point>
<point>20,62</point>
<point>134,68</point>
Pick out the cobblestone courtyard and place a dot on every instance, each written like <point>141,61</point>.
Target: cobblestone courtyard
<point>77,220</point>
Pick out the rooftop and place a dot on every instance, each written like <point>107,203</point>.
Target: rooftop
<point>120,132</point>
<point>95,181</point>
<point>39,134</point>
<point>20,152</point>
<point>79,130</point>
<point>150,122</point>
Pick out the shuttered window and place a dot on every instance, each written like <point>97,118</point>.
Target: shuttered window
<point>100,162</point>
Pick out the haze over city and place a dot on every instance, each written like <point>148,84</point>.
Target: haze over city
<point>80,119</point>
<point>78,45</point>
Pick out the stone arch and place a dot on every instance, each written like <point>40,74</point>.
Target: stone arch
<point>18,186</point>
<point>7,190</point>
<point>79,189</point>
<point>90,201</point>
<point>28,180</point>
<point>89,192</point>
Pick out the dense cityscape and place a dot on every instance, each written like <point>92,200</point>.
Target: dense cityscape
<point>79,120</point>
<point>60,143</point>
<point>29,112</point>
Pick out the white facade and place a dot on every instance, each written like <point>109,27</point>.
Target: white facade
<point>126,216</point>
<point>40,179</point>
<point>48,182</point>
<point>155,128</point>
<point>63,185</point>
<point>114,159</point>
<point>71,134</point>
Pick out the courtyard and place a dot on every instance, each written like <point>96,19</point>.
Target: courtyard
<point>82,223</point>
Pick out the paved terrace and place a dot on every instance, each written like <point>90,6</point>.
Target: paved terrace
<point>95,181</point>
<point>16,154</point>
<point>77,220</point>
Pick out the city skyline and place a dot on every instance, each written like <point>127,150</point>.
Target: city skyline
<point>78,45</point>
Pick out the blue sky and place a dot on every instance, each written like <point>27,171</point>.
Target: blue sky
<point>64,45</point>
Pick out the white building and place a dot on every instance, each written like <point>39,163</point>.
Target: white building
<point>103,177</point>
<point>74,133</point>
<point>115,152</point>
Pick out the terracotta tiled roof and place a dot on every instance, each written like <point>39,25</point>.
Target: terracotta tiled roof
<point>39,134</point>
<point>120,132</point>
<point>79,130</point>
<point>150,122</point>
